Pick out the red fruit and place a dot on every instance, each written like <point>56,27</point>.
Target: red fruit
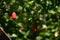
<point>35,27</point>
<point>13,15</point>
<point>35,30</point>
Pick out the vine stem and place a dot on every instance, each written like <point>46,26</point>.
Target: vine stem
<point>5,34</point>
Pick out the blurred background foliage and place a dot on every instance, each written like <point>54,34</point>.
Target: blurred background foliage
<point>46,12</point>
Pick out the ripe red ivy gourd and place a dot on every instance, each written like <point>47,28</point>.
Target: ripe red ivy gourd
<point>35,27</point>
<point>13,15</point>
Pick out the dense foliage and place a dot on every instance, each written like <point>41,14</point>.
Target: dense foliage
<point>46,14</point>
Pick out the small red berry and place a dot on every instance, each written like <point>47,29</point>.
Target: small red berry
<point>13,15</point>
<point>35,27</point>
<point>35,30</point>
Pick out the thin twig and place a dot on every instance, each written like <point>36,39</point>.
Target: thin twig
<point>1,30</point>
